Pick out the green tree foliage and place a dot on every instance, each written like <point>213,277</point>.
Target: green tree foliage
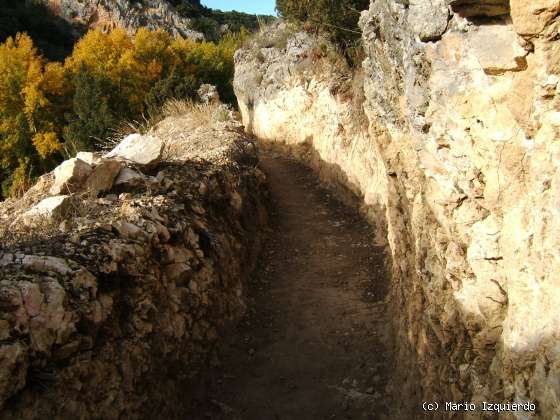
<point>337,17</point>
<point>92,115</point>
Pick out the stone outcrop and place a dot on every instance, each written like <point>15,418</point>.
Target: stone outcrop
<point>111,310</point>
<point>126,14</point>
<point>448,135</point>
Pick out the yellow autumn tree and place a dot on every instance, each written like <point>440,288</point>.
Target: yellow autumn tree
<point>52,109</point>
<point>29,138</point>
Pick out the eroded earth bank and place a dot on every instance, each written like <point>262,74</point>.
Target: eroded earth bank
<point>119,274</point>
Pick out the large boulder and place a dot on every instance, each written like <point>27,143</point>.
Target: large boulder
<point>70,176</point>
<point>143,150</point>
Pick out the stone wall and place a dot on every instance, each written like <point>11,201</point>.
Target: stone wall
<point>112,299</point>
<point>448,134</point>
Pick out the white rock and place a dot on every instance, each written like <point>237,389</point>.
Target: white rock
<point>70,175</point>
<point>51,208</point>
<point>139,149</point>
<point>89,157</point>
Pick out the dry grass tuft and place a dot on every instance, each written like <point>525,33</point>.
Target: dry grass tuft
<point>201,114</point>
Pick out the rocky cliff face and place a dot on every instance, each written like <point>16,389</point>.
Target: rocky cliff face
<point>124,270</point>
<point>127,14</point>
<point>449,136</point>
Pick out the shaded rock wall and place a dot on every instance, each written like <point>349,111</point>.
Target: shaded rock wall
<point>457,165</point>
<point>111,309</point>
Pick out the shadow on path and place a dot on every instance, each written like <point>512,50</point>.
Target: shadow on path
<point>314,342</point>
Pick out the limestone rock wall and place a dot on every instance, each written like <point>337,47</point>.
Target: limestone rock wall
<point>111,305</point>
<point>449,136</point>
<point>130,15</point>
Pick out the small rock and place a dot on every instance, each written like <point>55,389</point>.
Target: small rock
<point>432,28</point>
<point>129,178</point>
<point>127,230</point>
<point>104,201</point>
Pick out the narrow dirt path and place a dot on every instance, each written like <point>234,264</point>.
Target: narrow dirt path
<point>311,346</point>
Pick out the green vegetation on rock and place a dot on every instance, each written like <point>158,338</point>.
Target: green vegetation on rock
<point>338,18</point>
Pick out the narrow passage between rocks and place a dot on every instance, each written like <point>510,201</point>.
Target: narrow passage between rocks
<point>313,344</point>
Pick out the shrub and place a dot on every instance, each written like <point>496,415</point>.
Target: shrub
<point>92,117</point>
<point>339,18</point>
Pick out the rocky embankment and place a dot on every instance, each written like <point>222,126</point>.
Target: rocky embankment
<point>120,272</point>
<point>126,14</point>
<point>449,136</point>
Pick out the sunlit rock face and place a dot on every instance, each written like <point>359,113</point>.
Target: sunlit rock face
<point>126,14</point>
<point>449,136</point>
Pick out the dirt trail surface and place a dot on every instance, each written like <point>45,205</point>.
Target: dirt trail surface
<point>312,344</point>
